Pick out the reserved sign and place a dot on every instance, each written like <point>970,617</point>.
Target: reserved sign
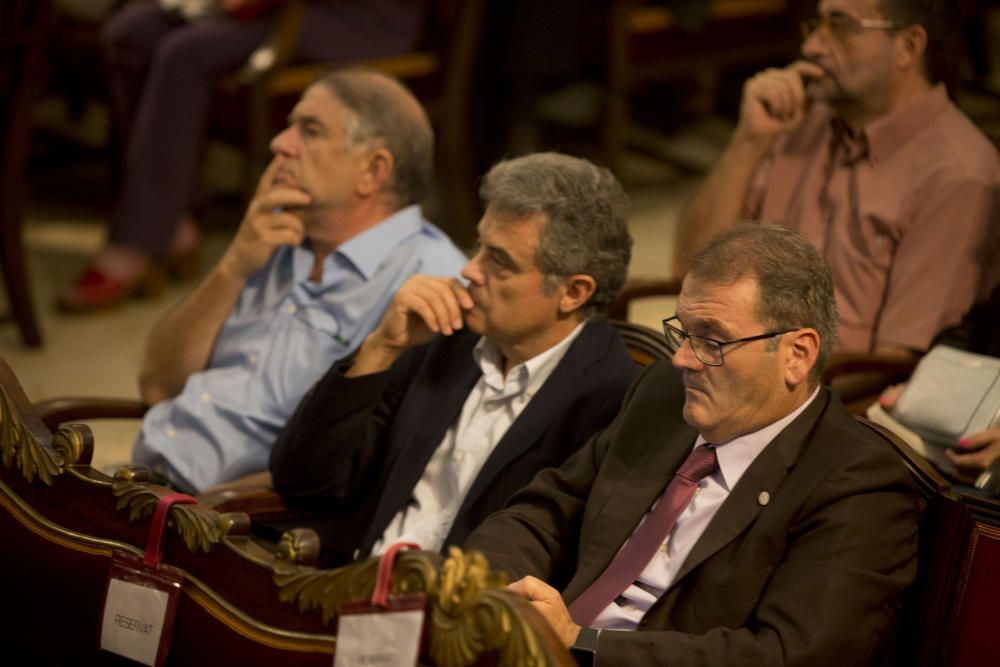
<point>133,620</point>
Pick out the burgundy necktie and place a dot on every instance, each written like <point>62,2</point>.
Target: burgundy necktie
<point>640,549</point>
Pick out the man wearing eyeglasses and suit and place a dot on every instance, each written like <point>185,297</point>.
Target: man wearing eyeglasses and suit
<point>734,513</point>
<point>858,147</point>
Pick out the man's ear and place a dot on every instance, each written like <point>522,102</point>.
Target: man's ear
<point>376,172</point>
<point>577,291</point>
<point>802,351</point>
<point>910,47</point>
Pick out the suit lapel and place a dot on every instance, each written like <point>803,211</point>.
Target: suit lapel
<point>765,474</point>
<point>438,401</point>
<point>562,387</point>
<point>627,502</point>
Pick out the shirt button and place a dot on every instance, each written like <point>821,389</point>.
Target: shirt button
<point>171,433</point>
<point>206,397</point>
<point>458,456</point>
<point>253,359</point>
<point>292,308</point>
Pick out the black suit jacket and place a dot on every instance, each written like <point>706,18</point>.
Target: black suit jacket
<point>811,574</point>
<point>356,447</point>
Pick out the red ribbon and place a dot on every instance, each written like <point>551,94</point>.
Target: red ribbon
<point>383,584</point>
<point>154,546</point>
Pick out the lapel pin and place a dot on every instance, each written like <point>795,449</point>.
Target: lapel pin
<point>764,498</point>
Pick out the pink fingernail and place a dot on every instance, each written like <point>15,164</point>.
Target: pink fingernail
<point>963,442</point>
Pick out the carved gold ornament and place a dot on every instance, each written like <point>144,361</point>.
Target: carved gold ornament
<point>199,527</point>
<point>471,612</point>
<point>18,447</point>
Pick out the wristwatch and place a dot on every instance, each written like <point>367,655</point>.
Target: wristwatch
<point>584,649</point>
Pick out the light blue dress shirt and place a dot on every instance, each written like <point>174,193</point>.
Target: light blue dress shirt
<point>283,334</point>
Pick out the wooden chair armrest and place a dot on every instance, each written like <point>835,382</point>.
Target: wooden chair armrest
<point>62,409</point>
<point>842,364</point>
<point>860,379</point>
<point>258,502</point>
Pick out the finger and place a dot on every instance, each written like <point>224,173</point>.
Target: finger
<point>970,460</point>
<point>787,94</point>
<point>280,230</point>
<point>269,222</point>
<point>532,588</point>
<point>419,306</point>
<point>266,179</point>
<point>806,70</point>
<point>890,396</point>
<point>436,296</point>
<point>769,94</point>
<point>444,287</point>
<point>981,439</point>
<point>462,294</point>
<point>284,198</point>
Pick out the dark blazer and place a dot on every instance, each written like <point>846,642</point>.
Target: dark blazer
<point>809,575</point>
<point>356,447</point>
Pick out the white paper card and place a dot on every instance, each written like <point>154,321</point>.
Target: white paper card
<point>390,639</point>
<point>133,620</point>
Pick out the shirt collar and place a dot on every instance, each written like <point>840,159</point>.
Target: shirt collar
<point>527,377</point>
<point>735,456</point>
<point>884,135</point>
<point>367,249</point>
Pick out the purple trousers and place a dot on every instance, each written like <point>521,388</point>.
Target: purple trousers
<point>161,75</point>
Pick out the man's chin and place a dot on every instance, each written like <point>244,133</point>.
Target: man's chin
<point>474,320</point>
<point>693,415</point>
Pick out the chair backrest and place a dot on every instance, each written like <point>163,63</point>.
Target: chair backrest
<point>240,603</point>
<point>926,620</point>
<point>972,632</point>
<point>643,344</point>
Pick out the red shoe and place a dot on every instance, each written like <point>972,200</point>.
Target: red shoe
<point>96,290</point>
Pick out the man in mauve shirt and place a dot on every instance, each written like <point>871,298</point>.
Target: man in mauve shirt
<point>858,147</point>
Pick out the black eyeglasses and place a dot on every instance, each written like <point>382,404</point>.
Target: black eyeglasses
<point>708,350</point>
<point>841,25</point>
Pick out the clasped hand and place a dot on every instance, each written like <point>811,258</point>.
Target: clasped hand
<point>424,307</point>
<point>272,219</point>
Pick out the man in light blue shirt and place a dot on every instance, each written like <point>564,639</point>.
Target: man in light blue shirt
<point>331,234</point>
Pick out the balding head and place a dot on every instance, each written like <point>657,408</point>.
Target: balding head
<point>386,114</point>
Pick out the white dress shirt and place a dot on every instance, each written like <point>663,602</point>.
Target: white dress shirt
<point>734,458</point>
<point>490,409</point>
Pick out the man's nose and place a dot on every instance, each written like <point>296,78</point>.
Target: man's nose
<point>685,357</point>
<point>283,143</point>
<point>473,272</point>
<point>813,45</point>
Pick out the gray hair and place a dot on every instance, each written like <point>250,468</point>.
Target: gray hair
<point>796,288</point>
<point>382,109</point>
<point>584,227</point>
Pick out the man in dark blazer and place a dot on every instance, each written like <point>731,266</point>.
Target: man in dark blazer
<point>800,536</point>
<point>464,392</point>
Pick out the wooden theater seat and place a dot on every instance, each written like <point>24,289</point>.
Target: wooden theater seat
<point>923,622</point>
<point>240,603</point>
<point>971,631</point>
